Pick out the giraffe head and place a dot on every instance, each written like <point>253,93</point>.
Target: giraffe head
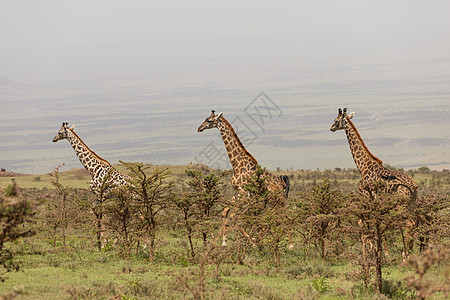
<point>62,133</point>
<point>211,122</point>
<point>341,120</point>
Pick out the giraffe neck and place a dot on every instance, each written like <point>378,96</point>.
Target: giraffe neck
<point>364,160</point>
<point>235,149</point>
<point>88,158</point>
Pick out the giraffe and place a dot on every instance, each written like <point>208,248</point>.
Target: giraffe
<point>243,163</point>
<point>371,168</point>
<point>104,177</point>
<point>97,167</point>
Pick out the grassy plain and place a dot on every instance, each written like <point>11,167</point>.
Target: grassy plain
<point>80,271</point>
<point>83,272</point>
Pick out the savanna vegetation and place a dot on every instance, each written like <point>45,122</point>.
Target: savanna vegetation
<point>161,237</point>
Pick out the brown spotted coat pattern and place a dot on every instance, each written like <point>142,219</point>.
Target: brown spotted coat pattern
<point>243,163</point>
<point>370,167</point>
<point>97,167</point>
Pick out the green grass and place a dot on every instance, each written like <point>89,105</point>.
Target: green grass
<point>300,179</point>
<point>54,282</point>
<point>100,275</point>
<point>77,178</point>
<point>49,272</point>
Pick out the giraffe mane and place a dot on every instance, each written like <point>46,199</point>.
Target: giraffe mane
<point>87,147</point>
<point>252,158</point>
<point>362,141</point>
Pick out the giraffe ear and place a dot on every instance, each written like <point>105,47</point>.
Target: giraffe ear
<point>219,116</point>
<point>351,115</point>
<point>72,127</point>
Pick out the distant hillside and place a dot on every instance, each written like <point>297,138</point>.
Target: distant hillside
<point>80,178</point>
<point>10,174</point>
<point>301,180</point>
<point>402,113</point>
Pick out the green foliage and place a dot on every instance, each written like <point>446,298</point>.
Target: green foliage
<point>261,214</point>
<point>95,290</point>
<point>12,190</point>
<point>121,222</point>
<point>269,270</point>
<point>150,196</point>
<point>432,220</point>
<point>422,263</point>
<point>201,204</point>
<point>317,215</point>
<point>309,269</point>
<point>424,169</point>
<point>397,289</point>
<point>65,209</point>
<point>320,284</point>
<point>15,215</point>
<point>371,218</point>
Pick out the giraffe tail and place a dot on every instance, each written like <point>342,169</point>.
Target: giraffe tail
<point>285,179</point>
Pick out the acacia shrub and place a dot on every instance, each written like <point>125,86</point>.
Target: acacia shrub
<point>150,194</point>
<point>371,218</point>
<point>261,216</point>
<point>201,204</point>
<point>16,216</point>
<point>432,220</point>
<point>317,217</point>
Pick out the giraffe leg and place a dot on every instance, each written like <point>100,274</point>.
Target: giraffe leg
<point>97,209</point>
<point>386,248</point>
<point>408,242</point>
<point>404,251</point>
<point>291,244</point>
<point>227,215</point>
<point>244,233</point>
<point>363,242</point>
<point>103,234</point>
<point>225,219</point>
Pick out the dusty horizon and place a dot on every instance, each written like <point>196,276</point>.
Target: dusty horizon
<point>137,78</point>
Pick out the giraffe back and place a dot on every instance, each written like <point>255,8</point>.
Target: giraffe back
<point>397,183</point>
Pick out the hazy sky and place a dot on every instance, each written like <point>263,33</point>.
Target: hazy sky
<point>53,40</point>
<point>131,66</point>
